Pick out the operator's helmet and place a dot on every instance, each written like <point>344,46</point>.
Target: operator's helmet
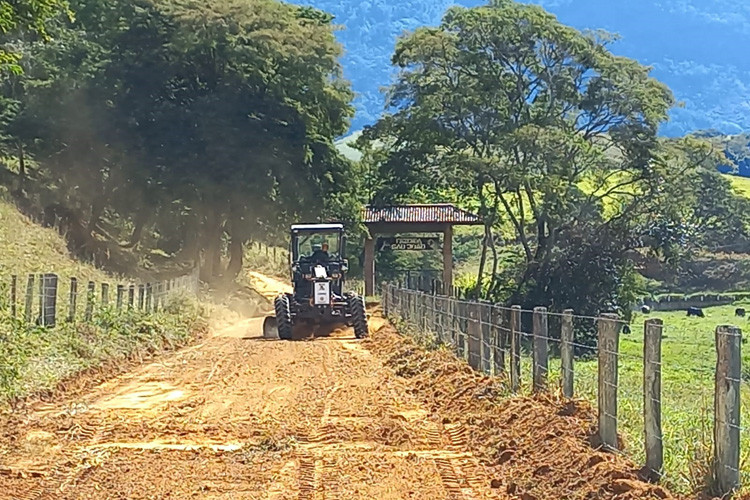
<point>316,247</point>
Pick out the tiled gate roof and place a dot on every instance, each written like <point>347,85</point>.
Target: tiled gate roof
<point>420,213</point>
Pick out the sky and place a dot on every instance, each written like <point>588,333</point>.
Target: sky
<point>697,47</point>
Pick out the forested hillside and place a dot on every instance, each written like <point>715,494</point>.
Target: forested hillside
<point>695,47</point>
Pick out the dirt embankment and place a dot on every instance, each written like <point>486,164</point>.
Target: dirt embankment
<point>239,416</point>
<point>535,447</point>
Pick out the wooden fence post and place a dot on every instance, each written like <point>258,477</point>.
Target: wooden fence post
<point>474,332</point>
<point>652,334</point>
<point>497,337</point>
<point>105,294</point>
<point>609,333</point>
<point>73,296</point>
<point>40,318</point>
<point>485,328</point>
<point>434,312</point>
<point>515,348</point>
<point>13,295</point>
<point>90,300</point>
<point>727,409</point>
<point>131,296</point>
<point>149,297</point>
<point>141,297</point>
<point>29,302</point>
<point>120,296</point>
<point>541,349</point>
<point>48,314</point>
<point>566,353</point>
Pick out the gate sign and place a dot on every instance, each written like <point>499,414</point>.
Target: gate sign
<point>408,243</point>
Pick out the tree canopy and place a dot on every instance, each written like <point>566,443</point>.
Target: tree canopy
<point>188,127</point>
<point>546,131</point>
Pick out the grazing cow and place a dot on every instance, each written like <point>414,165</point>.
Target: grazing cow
<point>695,311</point>
<point>645,309</point>
<point>739,312</point>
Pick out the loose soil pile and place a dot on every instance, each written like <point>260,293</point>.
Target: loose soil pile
<point>538,447</point>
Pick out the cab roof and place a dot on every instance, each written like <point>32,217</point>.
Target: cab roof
<point>317,227</point>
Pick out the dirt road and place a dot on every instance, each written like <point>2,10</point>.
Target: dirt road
<point>239,416</point>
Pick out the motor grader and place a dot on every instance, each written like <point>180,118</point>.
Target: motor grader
<point>318,271</point>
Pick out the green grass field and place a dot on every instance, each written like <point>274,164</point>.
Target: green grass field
<point>688,364</point>
<point>741,184</point>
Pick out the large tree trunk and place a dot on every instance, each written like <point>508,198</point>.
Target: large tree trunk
<point>21,167</point>
<point>236,250</point>
<point>212,247</point>
<point>141,218</point>
<point>97,209</point>
<point>237,237</point>
<point>482,263</point>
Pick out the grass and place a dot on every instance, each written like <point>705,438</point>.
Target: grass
<point>688,364</point>
<point>34,359</point>
<point>740,184</point>
<point>26,247</point>
<point>268,260</point>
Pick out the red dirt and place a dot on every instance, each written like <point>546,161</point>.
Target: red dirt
<point>538,447</point>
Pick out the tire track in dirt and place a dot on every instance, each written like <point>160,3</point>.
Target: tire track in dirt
<point>240,416</point>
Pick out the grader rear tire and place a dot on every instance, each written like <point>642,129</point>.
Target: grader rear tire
<point>359,316</point>
<point>283,317</point>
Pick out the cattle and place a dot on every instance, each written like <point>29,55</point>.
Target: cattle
<point>695,311</point>
<point>645,309</point>
<point>739,312</point>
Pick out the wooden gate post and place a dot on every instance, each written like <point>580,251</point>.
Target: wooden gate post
<point>131,296</point>
<point>652,335</point>
<point>515,348</point>
<point>566,353</point>
<point>727,409</point>
<point>541,349</point>
<point>142,295</point>
<point>609,333</point>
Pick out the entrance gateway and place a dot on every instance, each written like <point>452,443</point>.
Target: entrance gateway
<point>413,218</point>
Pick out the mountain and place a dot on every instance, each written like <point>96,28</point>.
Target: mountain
<point>694,46</point>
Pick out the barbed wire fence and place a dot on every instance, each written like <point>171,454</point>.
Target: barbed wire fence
<point>46,299</point>
<point>621,371</point>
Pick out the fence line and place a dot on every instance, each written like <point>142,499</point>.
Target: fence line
<point>151,297</point>
<point>494,339</point>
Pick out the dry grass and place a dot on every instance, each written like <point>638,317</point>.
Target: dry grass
<point>26,247</point>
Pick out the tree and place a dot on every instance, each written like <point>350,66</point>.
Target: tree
<point>25,16</point>
<point>542,126</point>
<point>189,126</point>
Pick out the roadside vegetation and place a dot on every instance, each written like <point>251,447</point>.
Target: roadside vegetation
<point>687,370</point>
<point>35,359</point>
